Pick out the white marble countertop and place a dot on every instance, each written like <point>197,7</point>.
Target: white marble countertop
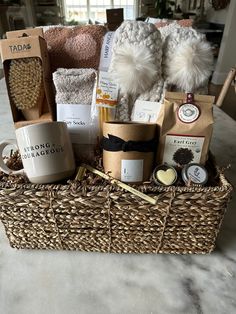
<point>58,282</point>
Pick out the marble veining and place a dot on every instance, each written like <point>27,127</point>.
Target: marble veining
<point>58,282</point>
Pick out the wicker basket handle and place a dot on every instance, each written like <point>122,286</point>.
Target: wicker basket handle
<point>3,166</point>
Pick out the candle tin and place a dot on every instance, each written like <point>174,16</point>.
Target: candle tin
<point>194,173</point>
<point>167,176</point>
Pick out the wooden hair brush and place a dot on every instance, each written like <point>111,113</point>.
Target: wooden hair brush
<point>26,86</point>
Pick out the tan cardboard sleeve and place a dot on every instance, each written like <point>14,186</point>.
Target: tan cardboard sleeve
<point>25,32</point>
<point>128,132</point>
<point>27,47</point>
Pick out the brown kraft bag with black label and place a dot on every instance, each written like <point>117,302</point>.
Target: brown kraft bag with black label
<point>186,124</point>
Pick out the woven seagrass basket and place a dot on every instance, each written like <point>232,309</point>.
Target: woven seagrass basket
<point>104,218</point>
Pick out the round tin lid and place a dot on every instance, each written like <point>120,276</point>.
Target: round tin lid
<point>195,173</point>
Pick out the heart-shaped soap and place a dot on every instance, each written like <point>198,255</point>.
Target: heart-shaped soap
<point>167,177</point>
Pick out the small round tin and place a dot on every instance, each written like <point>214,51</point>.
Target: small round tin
<point>194,173</point>
<point>167,175</point>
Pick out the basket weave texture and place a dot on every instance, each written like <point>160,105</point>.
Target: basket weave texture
<point>105,218</point>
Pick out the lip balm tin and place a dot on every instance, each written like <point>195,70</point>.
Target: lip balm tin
<point>194,173</point>
<point>167,175</point>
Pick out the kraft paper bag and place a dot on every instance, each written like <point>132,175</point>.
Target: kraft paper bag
<point>185,129</point>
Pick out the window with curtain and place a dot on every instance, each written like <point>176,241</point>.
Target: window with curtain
<point>83,10</point>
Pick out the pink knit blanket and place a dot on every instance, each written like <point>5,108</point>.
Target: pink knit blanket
<point>74,47</point>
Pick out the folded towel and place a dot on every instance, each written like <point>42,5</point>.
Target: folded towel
<point>74,86</point>
<point>74,46</point>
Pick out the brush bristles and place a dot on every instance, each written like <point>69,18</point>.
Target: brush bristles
<point>25,82</point>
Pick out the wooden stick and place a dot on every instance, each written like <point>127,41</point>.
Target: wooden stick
<point>80,174</point>
<point>224,90</point>
<point>126,187</point>
<point>109,114</point>
<point>106,114</point>
<point>100,120</point>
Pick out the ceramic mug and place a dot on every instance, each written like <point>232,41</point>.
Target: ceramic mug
<point>45,150</point>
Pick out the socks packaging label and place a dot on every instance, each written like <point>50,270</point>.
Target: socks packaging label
<point>28,76</point>
<point>78,120</point>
